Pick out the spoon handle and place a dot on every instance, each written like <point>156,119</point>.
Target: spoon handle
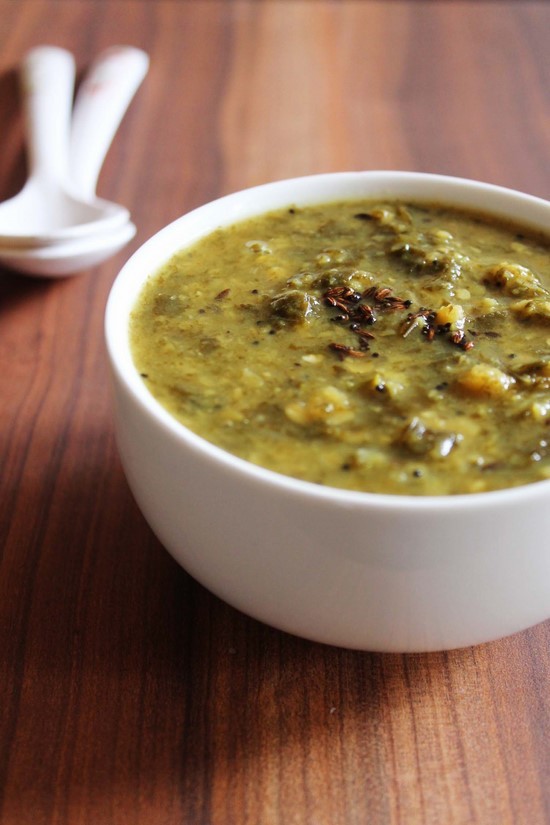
<point>47,76</point>
<point>102,100</point>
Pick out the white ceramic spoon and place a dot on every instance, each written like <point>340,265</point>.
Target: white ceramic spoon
<point>101,103</point>
<point>46,211</point>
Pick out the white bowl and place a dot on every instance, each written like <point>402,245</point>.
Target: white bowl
<point>360,570</point>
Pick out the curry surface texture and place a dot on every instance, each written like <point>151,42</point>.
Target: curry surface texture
<point>387,347</point>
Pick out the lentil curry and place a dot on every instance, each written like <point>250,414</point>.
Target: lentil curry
<point>387,347</point>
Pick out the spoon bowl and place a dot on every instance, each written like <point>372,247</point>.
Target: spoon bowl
<point>55,215</point>
<point>68,258</point>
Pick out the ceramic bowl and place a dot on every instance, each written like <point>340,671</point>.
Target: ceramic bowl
<point>359,570</point>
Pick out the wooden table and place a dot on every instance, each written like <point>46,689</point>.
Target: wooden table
<point>129,695</point>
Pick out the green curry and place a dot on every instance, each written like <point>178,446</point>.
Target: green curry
<point>387,347</point>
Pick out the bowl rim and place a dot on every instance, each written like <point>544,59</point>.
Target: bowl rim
<point>229,209</point>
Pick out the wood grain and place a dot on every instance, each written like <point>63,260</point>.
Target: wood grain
<point>129,695</point>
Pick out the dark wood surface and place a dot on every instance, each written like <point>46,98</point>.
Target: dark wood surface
<point>128,694</point>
